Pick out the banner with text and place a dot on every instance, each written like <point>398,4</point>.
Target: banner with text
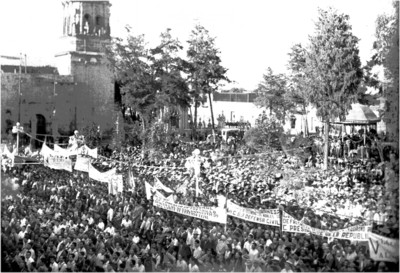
<point>160,186</point>
<point>99,176</point>
<point>85,150</point>
<point>82,164</point>
<point>58,162</point>
<point>212,214</point>
<point>268,217</point>
<point>355,233</point>
<point>383,249</point>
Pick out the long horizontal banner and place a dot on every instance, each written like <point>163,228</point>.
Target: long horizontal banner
<point>82,164</point>
<point>58,162</point>
<point>268,217</point>
<point>99,176</point>
<point>212,214</point>
<point>383,249</point>
<point>355,233</point>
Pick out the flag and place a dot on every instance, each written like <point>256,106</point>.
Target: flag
<point>131,179</point>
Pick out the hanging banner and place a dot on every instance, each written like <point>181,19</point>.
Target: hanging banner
<point>85,150</point>
<point>99,176</point>
<point>212,214</point>
<point>58,162</point>
<point>149,190</point>
<point>46,151</point>
<point>61,151</point>
<point>82,164</point>
<point>268,217</point>
<point>355,233</point>
<point>160,186</point>
<point>115,184</point>
<point>131,180</point>
<point>383,249</point>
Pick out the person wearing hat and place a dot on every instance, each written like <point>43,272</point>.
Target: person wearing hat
<point>289,265</point>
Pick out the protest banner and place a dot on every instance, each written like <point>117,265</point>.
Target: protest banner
<point>46,151</point>
<point>131,180</point>
<point>354,233</point>
<point>160,186</point>
<point>268,217</point>
<point>85,150</point>
<point>62,151</point>
<point>383,249</point>
<point>58,162</point>
<point>99,176</point>
<point>115,184</point>
<point>212,214</point>
<point>82,164</point>
<point>149,190</point>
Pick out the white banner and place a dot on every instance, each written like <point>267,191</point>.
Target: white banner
<point>85,150</point>
<point>212,214</point>
<point>46,151</point>
<point>383,249</point>
<point>58,162</point>
<point>115,184</point>
<point>102,177</point>
<point>149,190</point>
<point>160,186</point>
<point>268,217</point>
<point>82,164</point>
<point>62,151</point>
<point>355,233</point>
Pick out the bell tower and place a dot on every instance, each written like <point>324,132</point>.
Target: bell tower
<point>82,47</point>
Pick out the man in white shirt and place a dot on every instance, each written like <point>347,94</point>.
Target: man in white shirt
<point>248,243</point>
<point>100,225</point>
<point>110,229</point>
<point>197,252</point>
<point>53,264</point>
<point>127,223</point>
<point>110,214</point>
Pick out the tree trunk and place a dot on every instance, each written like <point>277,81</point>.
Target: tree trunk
<point>306,123</point>
<point>195,121</point>
<point>212,118</point>
<point>326,148</point>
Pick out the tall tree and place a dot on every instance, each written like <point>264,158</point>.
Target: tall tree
<point>271,95</point>
<point>386,56</point>
<point>333,66</point>
<point>150,79</point>
<point>298,91</point>
<point>204,67</point>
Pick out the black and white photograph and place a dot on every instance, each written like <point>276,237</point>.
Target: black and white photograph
<point>199,136</point>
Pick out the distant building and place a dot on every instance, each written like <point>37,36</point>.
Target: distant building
<point>78,92</point>
<point>240,107</point>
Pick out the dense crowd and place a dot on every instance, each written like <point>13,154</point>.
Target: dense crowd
<point>62,221</point>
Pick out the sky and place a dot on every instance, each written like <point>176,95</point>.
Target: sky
<point>251,35</point>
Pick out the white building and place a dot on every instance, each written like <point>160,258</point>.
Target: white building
<point>238,107</point>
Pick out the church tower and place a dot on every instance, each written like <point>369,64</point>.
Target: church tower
<point>86,34</point>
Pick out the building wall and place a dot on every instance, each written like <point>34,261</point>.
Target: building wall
<point>247,111</point>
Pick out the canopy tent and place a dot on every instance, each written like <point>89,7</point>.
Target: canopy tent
<point>360,115</point>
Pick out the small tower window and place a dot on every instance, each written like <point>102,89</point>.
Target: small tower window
<point>99,28</point>
<point>86,24</point>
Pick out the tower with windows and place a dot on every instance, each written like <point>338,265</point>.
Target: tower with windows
<point>85,37</point>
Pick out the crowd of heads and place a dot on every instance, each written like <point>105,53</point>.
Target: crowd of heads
<point>62,221</point>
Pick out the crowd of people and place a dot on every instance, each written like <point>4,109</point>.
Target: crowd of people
<point>63,221</point>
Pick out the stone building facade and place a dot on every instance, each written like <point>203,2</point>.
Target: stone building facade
<point>78,92</point>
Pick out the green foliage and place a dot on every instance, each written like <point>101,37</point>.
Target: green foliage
<point>150,79</point>
<point>333,65</point>
<point>298,91</point>
<point>271,95</point>
<point>265,135</point>
<point>156,139</point>
<point>203,67</point>
<point>92,135</point>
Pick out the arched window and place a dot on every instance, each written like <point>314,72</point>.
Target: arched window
<point>99,27</point>
<point>86,24</point>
